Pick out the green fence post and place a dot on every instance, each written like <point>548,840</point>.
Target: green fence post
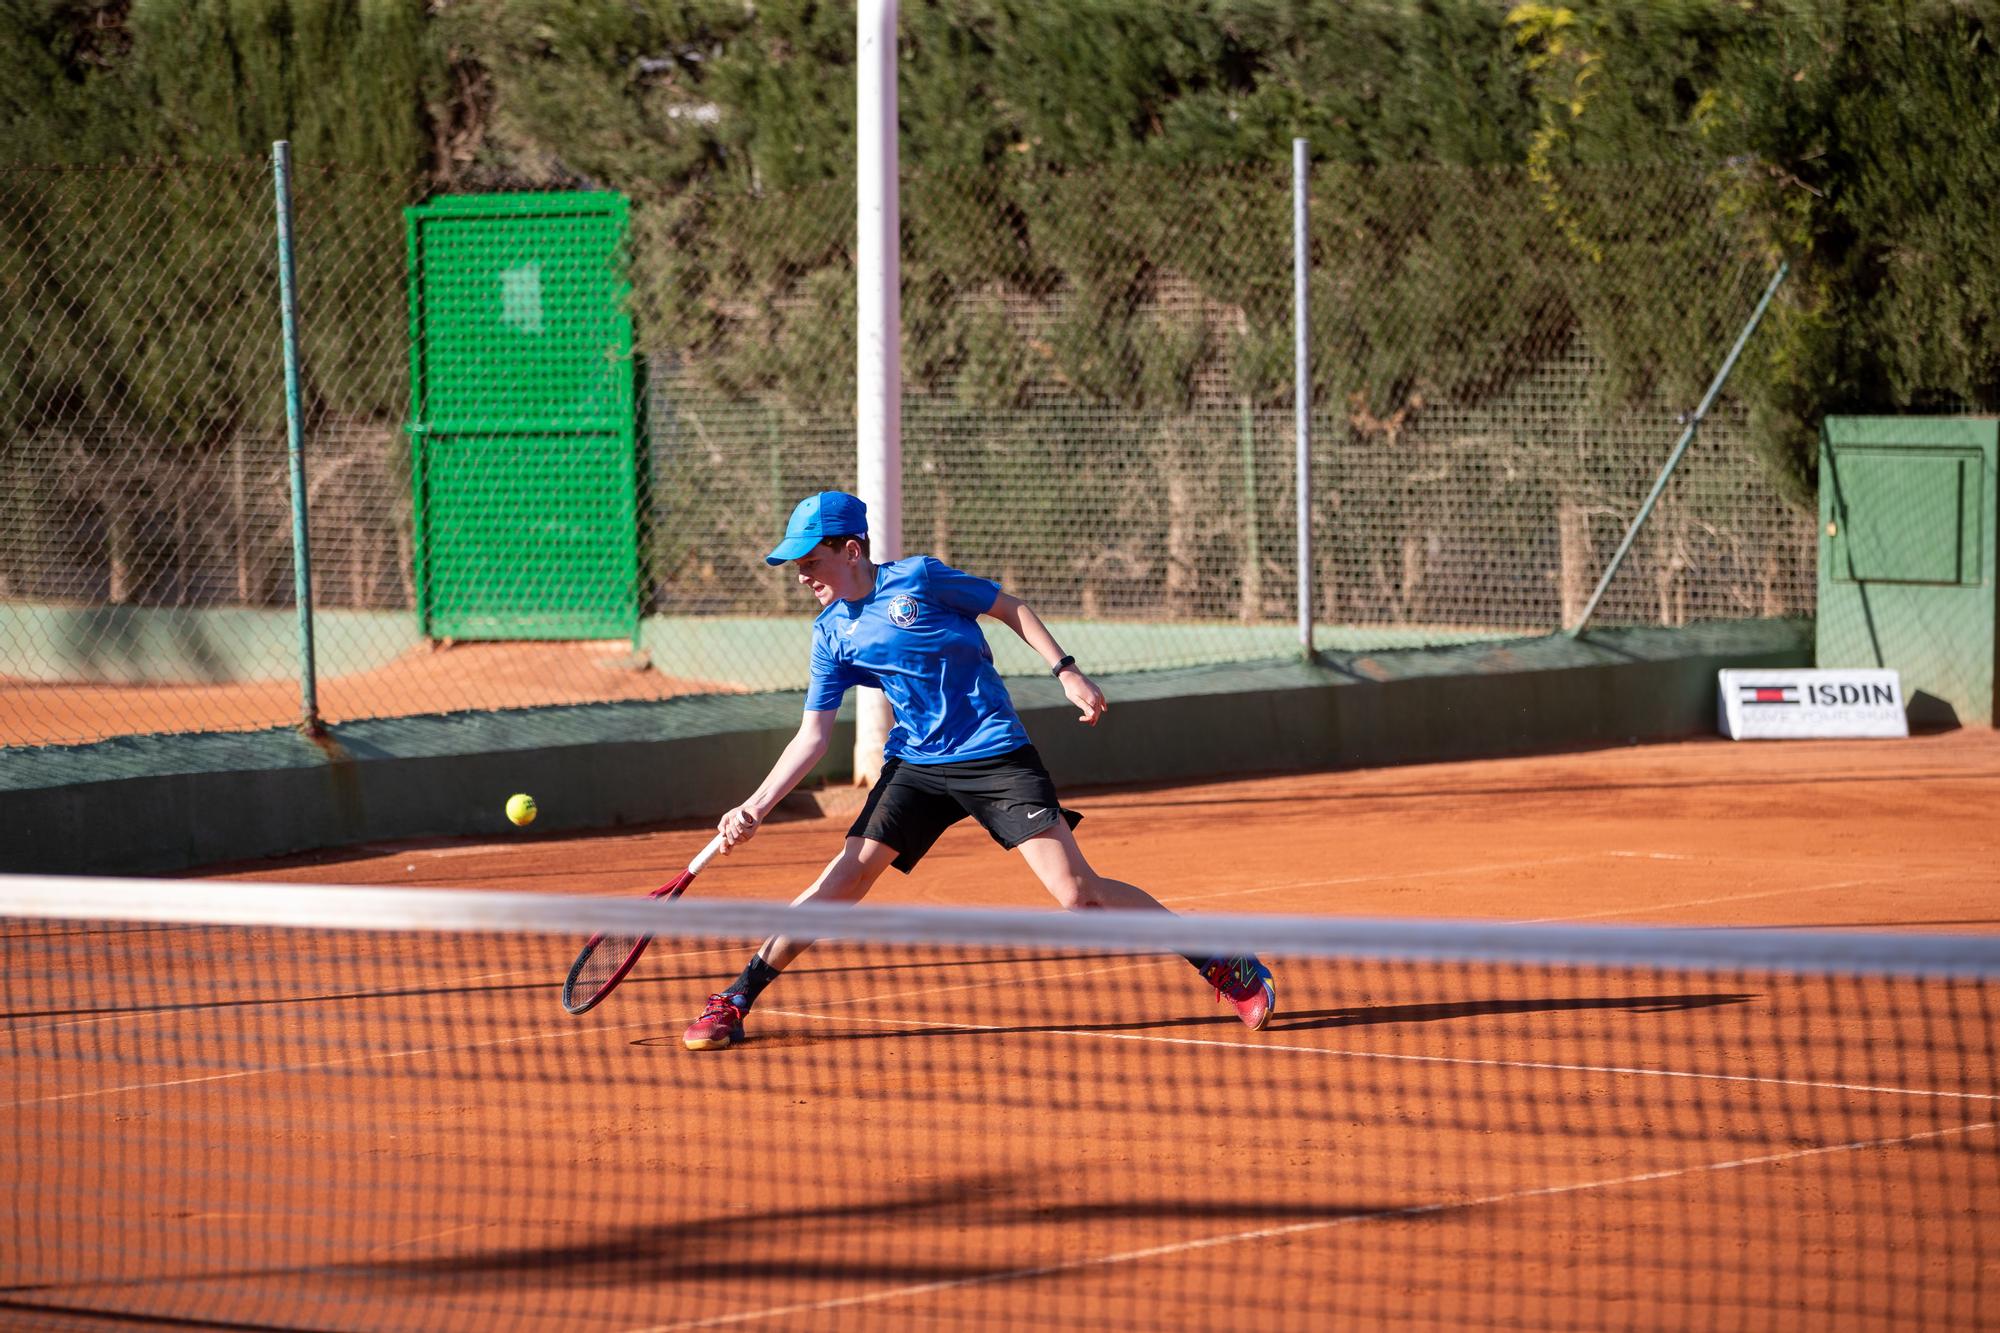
<point>1302,384</point>
<point>281,175</point>
<point>1680,449</point>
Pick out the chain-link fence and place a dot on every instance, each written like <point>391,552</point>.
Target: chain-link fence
<point>1096,412</point>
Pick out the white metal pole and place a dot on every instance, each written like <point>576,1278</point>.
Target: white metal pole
<point>878,414</point>
<point>1302,389</point>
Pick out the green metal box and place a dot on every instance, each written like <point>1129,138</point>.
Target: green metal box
<point>1907,509</point>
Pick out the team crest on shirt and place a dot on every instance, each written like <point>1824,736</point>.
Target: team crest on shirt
<point>903,610</point>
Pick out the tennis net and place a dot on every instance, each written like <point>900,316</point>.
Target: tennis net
<point>255,1106</point>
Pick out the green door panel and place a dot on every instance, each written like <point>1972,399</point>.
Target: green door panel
<point>1907,509</point>
<point>531,536</point>
<point>1907,516</point>
<point>523,428</point>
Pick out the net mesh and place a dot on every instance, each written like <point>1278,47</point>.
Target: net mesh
<point>1096,412</point>
<point>284,1111</point>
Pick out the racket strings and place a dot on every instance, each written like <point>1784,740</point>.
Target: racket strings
<point>598,967</point>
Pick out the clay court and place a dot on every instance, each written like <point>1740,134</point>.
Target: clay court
<point>460,677</point>
<point>414,1135</point>
<point>1838,834</point>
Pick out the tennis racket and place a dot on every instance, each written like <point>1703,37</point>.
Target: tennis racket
<point>607,958</point>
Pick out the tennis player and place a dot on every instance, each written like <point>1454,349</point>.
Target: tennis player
<point>910,629</point>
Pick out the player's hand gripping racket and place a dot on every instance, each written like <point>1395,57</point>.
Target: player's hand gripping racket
<point>606,959</point>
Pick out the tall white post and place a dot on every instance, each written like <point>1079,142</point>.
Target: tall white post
<point>1302,386</point>
<point>878,408</point>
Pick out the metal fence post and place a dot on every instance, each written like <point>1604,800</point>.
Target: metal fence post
<point>1680,448</point>
<point>281,175</point>
<point>1302,388</point>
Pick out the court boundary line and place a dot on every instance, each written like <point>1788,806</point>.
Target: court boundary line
<point>204,1006</point>
<point>316,1064</point>
<point>1030,1272</point>
<point>1344,880</point>
<point>1883,877</point>
<point>1879,875</point>
<point>1099,971</point>
<point>1401,1056</point>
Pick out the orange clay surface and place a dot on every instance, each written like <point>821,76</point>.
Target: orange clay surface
<point>1848,834</point>
<point>428,680</point>
<point>412,1134</point>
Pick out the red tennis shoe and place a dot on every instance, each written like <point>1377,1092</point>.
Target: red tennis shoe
<point>719,1027</point>
<point>1245,983</point>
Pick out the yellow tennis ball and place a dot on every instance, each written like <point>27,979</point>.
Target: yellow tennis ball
<point>521,808</point>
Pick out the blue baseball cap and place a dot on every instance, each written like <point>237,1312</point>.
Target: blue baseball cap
<point>828,514</point>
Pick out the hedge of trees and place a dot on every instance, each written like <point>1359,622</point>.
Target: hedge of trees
<point>1866,128</point>
<point>1856,138</point>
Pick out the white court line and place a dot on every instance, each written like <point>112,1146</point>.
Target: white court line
<point>1387,875</point>
<point>1738,858</point>
<point>1394,876</point>
<point>1900,877</point>
<point>1299,1228</point>
<point>983,985</point>
<point>393,1246</point>
<point>389,852</point>
<point>1349,1052</point>
<point>316,1064</point>
<point>177,1008</point>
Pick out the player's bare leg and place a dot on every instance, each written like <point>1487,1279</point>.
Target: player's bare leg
<point>846,879</point>
<point>1060,865</point>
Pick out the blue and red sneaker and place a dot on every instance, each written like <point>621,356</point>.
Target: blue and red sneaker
<point>1245,983</point>
<point>720,1025</point>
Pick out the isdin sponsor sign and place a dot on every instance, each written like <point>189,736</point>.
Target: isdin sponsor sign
<point>1776,705</point>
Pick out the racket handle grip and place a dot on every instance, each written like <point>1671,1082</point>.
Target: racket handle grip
<point>705,855</point>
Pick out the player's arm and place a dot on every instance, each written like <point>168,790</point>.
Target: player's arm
<point>1082,691</point>
<point>801,753</point>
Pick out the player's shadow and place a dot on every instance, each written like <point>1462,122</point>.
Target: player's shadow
<point>795,1243</point>
<point>817,1245</point>
<point>1352,1016</point>
<point>637,981</point>
<point>1358,1016</point>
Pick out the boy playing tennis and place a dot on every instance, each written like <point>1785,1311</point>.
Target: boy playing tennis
<point>909,628</point>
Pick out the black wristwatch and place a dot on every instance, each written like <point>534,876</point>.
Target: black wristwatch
<point>1062,666</point>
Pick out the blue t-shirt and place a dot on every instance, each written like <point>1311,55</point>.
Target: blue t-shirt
<point>916,638</point>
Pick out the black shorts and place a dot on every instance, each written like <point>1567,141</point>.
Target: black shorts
<point>1011,795</point>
